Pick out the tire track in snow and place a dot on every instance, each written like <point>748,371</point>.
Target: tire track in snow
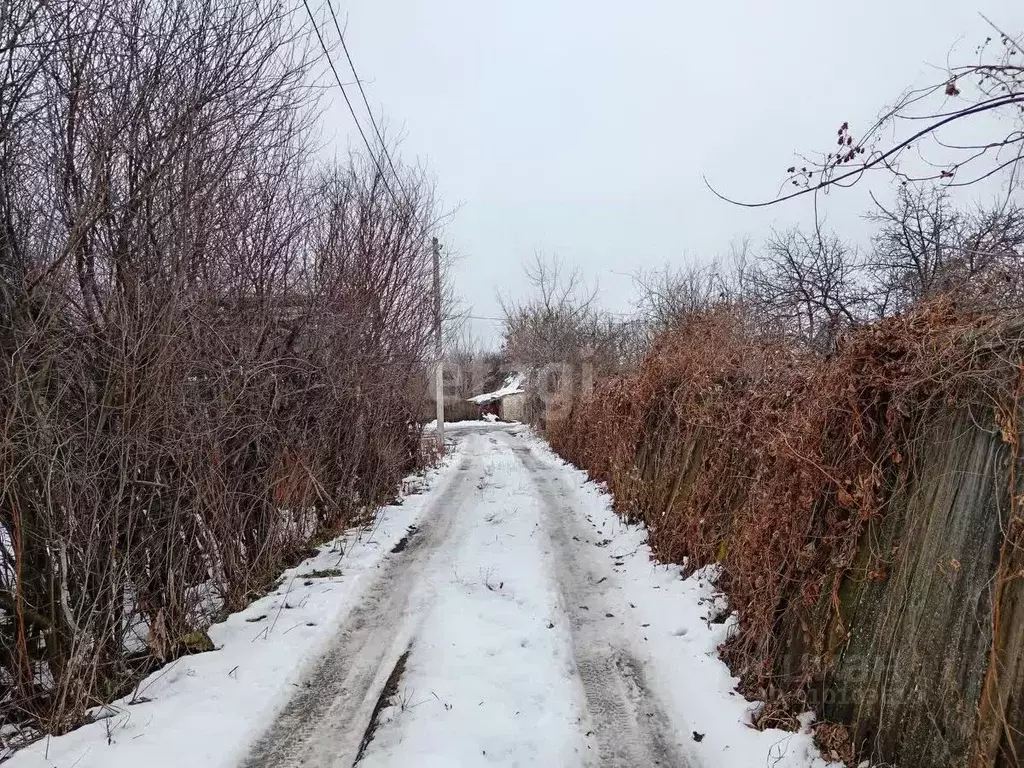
<point>325,721</point>
<point>629,724</point>
<point>323,725</point>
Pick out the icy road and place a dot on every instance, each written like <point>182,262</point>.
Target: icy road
<point>503,617</point>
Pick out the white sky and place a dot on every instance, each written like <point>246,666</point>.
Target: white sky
<point>583,128</point>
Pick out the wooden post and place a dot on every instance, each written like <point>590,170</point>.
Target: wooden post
<point>439,351</point>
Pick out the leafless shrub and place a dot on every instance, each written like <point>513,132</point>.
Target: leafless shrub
<point>212,350</point>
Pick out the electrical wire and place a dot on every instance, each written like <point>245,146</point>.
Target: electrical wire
<point>366,101</point>
<point>348,102</point>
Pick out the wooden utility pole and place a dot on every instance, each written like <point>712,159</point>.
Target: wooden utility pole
<point>439,352</point>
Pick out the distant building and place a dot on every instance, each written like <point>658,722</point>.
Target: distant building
<point>507,403</point>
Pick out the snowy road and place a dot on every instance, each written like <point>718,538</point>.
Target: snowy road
<point>505,616</point>
<point>508,647</point>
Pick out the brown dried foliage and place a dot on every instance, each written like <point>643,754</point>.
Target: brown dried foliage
<point>772,461</point>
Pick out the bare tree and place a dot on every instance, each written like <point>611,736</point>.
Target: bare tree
<point>807,287</point>
<point>667,296</point>
<point>558,318</point>
<point>559,335</point>
<point>930,120</point>
<point>926,247</point>
<point>915,247</point>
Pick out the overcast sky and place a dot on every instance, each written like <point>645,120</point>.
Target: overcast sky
<point>583,129</point>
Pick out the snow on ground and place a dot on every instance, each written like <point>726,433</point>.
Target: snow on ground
<point>521,624</point>
<point>553,636</point>
<point>206,710</point>
<point>672,614</point>
<point>456,426</point>
<point>489,677</point>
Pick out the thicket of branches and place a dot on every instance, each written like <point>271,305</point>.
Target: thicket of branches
<point>774,462</point>
<point>810,287</point>
<point>210,346</point>
<point>780,405</point>
<point>778,411</point>
<point>561,337</point>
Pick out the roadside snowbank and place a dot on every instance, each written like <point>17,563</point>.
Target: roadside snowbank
<point>431,426</point>
<point>206,710</point>
<point>681,639</point>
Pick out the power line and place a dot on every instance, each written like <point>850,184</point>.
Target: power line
<point>348,102</point>
<point>366,101</point>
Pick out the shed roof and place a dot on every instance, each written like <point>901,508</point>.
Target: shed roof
<point>513,385</point>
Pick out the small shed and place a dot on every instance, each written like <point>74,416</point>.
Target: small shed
<point>507,403</point>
